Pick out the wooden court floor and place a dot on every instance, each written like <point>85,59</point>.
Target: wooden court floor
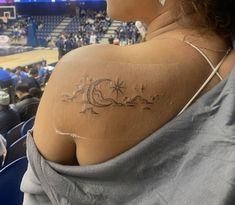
<point>12,61</point>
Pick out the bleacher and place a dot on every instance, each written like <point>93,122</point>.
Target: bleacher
<point>53,26</point>
<point>46,24</point>
<point>73,26</point>
<point>127,33</point>
<point>9,30</point>
<point>99,27</point>
<point>13,164</point>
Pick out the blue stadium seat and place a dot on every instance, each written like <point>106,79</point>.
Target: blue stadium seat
<point>10,179</point>
<point>49,24</point>
<point>27,126</point>
<point>15,151</point>
<point>14,134</point>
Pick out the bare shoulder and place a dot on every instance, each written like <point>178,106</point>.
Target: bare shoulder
<point>111,97</point>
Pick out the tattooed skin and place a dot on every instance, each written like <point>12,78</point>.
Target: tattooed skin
<point>90,93</point>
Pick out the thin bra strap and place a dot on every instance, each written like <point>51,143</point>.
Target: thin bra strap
<point>215,70</point>
<point>205,56</point>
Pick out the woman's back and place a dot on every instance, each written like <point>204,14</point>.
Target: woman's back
<point>99,104</point>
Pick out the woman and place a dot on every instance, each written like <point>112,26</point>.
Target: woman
<point>104,105</point>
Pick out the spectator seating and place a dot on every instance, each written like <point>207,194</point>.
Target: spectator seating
<point>73,26</point>
<point>91,22</point>
<point>19,131</point>
<point>29,111</point>
<point>128,33</point>
<point>16,150</point>
<point>46,25</point>
<point>9,30</point>
<point>10,179</point>
<point>34,63</point>
<point>27,126</point>
<point>16,142</point>
<point>14,134</point>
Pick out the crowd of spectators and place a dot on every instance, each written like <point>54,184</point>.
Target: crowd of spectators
<point>87,28</point>
<point>20,93</point>
<point>93,23</point>
<point>18,28</point>
<point>127,34</point>
<point>90,27</point>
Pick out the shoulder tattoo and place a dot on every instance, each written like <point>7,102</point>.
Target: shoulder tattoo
<point>96,94</point>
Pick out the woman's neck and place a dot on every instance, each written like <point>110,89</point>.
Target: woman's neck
<point>161,24</point>
<point>165,25</point>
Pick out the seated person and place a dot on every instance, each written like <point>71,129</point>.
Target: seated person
<point>27,104</point>
<point>20,73</point>
<point>31,79</point>
<point>5,79</point>
<point>41,74</point>
<point>8,117</point>
<point>36,92</point>
<point>151,123</point>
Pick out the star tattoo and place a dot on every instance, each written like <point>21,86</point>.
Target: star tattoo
<point>118,87</point>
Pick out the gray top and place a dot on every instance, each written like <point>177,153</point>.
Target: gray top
<point>189,161</point>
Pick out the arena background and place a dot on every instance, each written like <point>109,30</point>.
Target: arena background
<point>34,28</point>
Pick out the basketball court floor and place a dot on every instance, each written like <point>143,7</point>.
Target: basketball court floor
<point>25,58</point>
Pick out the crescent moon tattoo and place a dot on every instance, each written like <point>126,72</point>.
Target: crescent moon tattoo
<point>93,93</point>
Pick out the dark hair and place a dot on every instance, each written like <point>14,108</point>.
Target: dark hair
<point>33,71</point>
<point>35,92</point>
<point>217,15</point>
<point>19,68</point>
<point>22,87</point>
